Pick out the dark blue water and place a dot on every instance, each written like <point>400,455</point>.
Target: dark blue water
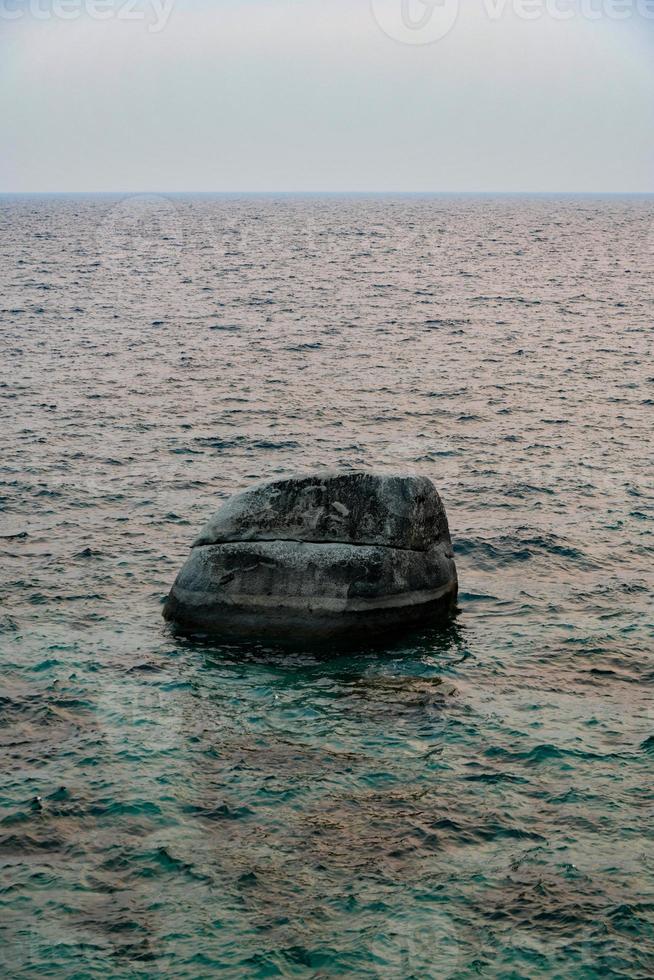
<point>474,801</point>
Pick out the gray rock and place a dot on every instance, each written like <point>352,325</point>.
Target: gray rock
<point>319,556</point>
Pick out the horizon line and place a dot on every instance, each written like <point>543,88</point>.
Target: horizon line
<point>425,193</point>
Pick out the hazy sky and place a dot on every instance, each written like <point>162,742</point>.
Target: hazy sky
<point>327,95</point>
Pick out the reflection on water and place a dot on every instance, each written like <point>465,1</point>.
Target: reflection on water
<point>470,800</point>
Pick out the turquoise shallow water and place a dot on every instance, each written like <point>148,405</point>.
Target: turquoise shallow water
<point>471,801</point>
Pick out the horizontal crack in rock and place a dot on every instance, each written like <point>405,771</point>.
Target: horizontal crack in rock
<point>348,544</point>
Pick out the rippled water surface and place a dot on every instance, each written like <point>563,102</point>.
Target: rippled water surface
<point>473,801</point>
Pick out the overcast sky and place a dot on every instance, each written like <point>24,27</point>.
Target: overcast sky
<point>297,95</point>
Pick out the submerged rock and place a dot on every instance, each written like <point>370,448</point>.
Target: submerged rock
<point>318,556</point>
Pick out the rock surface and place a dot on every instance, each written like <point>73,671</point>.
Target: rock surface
<point>319,556</point>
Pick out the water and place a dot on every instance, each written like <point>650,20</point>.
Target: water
<point>474,801</point>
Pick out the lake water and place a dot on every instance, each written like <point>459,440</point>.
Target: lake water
<point>473,801</point>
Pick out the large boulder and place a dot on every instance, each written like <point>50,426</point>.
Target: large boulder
<point>318,556</point>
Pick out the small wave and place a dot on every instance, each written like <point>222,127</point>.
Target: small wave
<point>517,548</point>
